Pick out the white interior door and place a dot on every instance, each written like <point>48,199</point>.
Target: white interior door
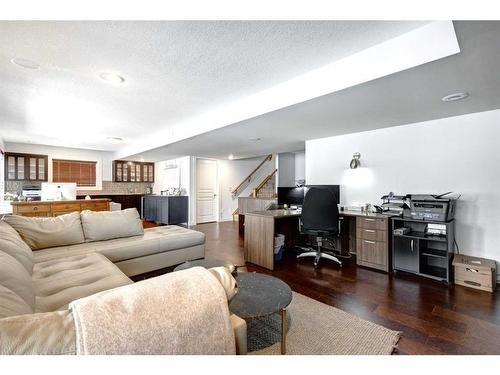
<point>206,191</point>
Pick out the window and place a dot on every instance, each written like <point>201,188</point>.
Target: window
<point>81,172</point>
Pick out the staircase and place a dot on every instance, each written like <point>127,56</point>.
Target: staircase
<point>238,189</point>
<point>265,188</point>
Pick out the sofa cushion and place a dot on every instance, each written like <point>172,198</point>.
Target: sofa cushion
<point>14,276</point>
<point>11,304</point>
<point>58,282</point>
<point>12,244</point>
<point>105,225</point>
<point>155,240</point>
<point>44,232</point>
<point>40,334</point>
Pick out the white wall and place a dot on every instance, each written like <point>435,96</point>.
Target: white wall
<point>286,169</point>
<point>231,173</point>
<point>168,178</point>
<point>291,167</point>
<point>172,177</point>
<point>300,165</point>
<point>104,159</point>
<point>461,154</point>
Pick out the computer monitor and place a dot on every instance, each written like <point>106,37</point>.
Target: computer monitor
<point>58,191</point>
<point>335,189</point>
<point>290,195</point>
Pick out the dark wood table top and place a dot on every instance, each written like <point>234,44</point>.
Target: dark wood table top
<point>281,213</point>
<point>259,295</point>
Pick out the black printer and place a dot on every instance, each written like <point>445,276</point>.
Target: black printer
<point>430,207</point>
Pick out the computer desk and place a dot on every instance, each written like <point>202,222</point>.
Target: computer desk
<point>365,234</point>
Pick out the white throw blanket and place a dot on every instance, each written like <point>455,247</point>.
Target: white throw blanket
<point>183,312</point>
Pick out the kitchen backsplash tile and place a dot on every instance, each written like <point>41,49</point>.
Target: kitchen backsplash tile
<point>108,187</point>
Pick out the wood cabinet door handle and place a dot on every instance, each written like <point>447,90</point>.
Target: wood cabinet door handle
<point>35,208</point>
<point>370,219</point>
<point>369,241</point>
<point>370,230</point>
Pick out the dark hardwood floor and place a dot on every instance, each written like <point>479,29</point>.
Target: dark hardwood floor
<point>433,318</point>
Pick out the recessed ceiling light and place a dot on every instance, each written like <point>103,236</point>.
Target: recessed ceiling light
<point>455,96</point>
<point>255,139</point>
<point>114,140</point>
<point>25,63</point>
<point>230,157</point>
<point>112,77</point>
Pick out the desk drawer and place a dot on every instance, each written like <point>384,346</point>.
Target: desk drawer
<point>371,223</point>
<point>65,207</point>
<point>371,234</point>
<point>95,206</point>
<point>32,208</point>
<point>372,254</point>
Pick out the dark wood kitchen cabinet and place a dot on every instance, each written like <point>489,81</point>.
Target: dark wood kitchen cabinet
<point>133,171</point>
<point>166,209</point>
<point>26,167</point>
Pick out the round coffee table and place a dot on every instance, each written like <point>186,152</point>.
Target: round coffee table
<point>205,263</point>
<point>261,295</point>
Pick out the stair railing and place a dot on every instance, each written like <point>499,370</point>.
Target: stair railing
<point>247,180</point>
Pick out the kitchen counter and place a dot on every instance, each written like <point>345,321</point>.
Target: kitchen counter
<point>107,194</point>
<point>132,200</point>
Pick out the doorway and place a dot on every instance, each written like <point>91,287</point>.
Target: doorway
<point>206,191</point>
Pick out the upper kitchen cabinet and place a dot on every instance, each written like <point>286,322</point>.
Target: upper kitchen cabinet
<point>22,167</point>
<point>133,171</point>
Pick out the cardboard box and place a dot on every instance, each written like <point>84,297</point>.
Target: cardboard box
<point>474,272</point>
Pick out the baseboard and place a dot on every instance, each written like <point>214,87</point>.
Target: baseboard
<point>230,218</point>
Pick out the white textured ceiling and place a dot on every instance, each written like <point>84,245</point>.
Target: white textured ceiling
<point>174,71</point>
<point>406,97</point>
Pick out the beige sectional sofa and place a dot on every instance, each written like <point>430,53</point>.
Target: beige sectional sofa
<point>37,284</point>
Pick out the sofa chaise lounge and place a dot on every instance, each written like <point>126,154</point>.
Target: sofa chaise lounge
<point>45,264</point>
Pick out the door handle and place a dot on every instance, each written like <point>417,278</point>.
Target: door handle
<point>370,230</point>
<point>411,245</point>
<point>369,241</point>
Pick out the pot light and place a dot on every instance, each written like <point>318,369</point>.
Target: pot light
<point>114,140</point>
<point>25,63</point>
<point>112,78</point>
<point>255,139</point>
<point>230,157</point>
<point>454,97</point>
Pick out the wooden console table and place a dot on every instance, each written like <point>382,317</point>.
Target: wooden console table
<point>56,208</point>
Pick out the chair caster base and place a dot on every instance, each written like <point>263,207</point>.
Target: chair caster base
<point>317,257</point>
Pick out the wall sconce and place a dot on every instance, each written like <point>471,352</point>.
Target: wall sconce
<point>355,163</point>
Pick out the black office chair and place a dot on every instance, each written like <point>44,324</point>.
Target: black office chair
<point>320,218</point>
